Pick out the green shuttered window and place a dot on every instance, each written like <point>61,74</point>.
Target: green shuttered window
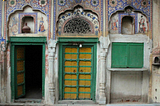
<point>127,55</point>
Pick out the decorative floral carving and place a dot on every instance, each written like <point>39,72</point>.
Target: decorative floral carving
<point>12,3</point>
<point>61,2</point>
<point>95,3</point>
<point>113,3</point>
<point>42,3</point>
<point>77,25</point>
<point>144,3</point>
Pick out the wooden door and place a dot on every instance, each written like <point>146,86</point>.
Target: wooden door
<point>77,73</point>
<point>20,71</point>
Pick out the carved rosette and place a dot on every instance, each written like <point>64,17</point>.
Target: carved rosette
<point>12,3</point>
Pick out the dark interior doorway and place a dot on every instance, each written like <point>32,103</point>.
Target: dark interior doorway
<point>33,73</point>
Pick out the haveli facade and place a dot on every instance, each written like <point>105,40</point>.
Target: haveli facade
<point>79,51</point>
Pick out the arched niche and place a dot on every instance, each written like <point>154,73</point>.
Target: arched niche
<point>35,19</point>
<point>128,21</point>
<point>29,20</point>
<point>127,25</point>
<point>78,22</point>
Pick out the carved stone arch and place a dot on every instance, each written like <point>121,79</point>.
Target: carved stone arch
<point>87,22</point>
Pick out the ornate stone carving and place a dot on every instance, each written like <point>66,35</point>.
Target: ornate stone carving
<point>77,25</point>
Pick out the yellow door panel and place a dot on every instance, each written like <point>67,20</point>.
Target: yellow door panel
<point>85,56</point>
<point>68,69</point>
<point>82,82</point>
<point>70,89</point>
<point>82,76</point>
<point>67,76</point>
<point>84,96</point>
<point>84,69</point>
<point>74,83</point>
<point>73,96</point>
<point>85,63</point>
<point>67,96</point>
<point>88,69</point>
<point>70,50</point>
<point>84,89</point>
<point>81,95</point>
<point>88,56</point>
<point>20,65</point>
<point>20,53</point>
<point>87,76</point>
<point>88,83</point>
<point>74,76</point>
<point>87,95</point>
<point>70,56</point>
<point>19,90</point>
<point>66,82</point>
<point>20,78</point>
<point>67,89</point>
<point>73,90</point>
<point>82,63</point>
<point>83,49</point>
<point>88,63</point>
<point>70,63</point>
<point>71,83</point>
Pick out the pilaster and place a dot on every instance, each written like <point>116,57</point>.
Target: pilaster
<point>51,55</point>
<point>104,43</point>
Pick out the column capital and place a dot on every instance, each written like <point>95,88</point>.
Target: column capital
<point>52,47</point>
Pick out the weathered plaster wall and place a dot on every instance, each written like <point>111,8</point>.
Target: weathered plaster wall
<point>156,22</point>
<point>126,87</point>
<point>155,75</point>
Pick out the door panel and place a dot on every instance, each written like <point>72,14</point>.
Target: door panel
<point>20,71</point>
<point>77,72</point>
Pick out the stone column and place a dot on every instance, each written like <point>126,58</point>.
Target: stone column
<point>51,55</point>
<point>104,43</point>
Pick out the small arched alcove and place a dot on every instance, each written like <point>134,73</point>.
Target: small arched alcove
<point>156,60</point>
<point>127,25</point>
<point>30,23</point>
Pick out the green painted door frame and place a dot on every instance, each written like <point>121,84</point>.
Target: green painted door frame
<point>70,42</point>
<point>24,41</point>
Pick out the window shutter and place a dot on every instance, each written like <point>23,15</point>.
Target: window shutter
<point>119,55</point>
<point>135,55</point>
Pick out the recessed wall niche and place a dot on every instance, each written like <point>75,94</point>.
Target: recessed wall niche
<point>30,19</point>
<point>128,25</point>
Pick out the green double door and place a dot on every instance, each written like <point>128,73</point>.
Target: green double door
<point>77,72</point>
